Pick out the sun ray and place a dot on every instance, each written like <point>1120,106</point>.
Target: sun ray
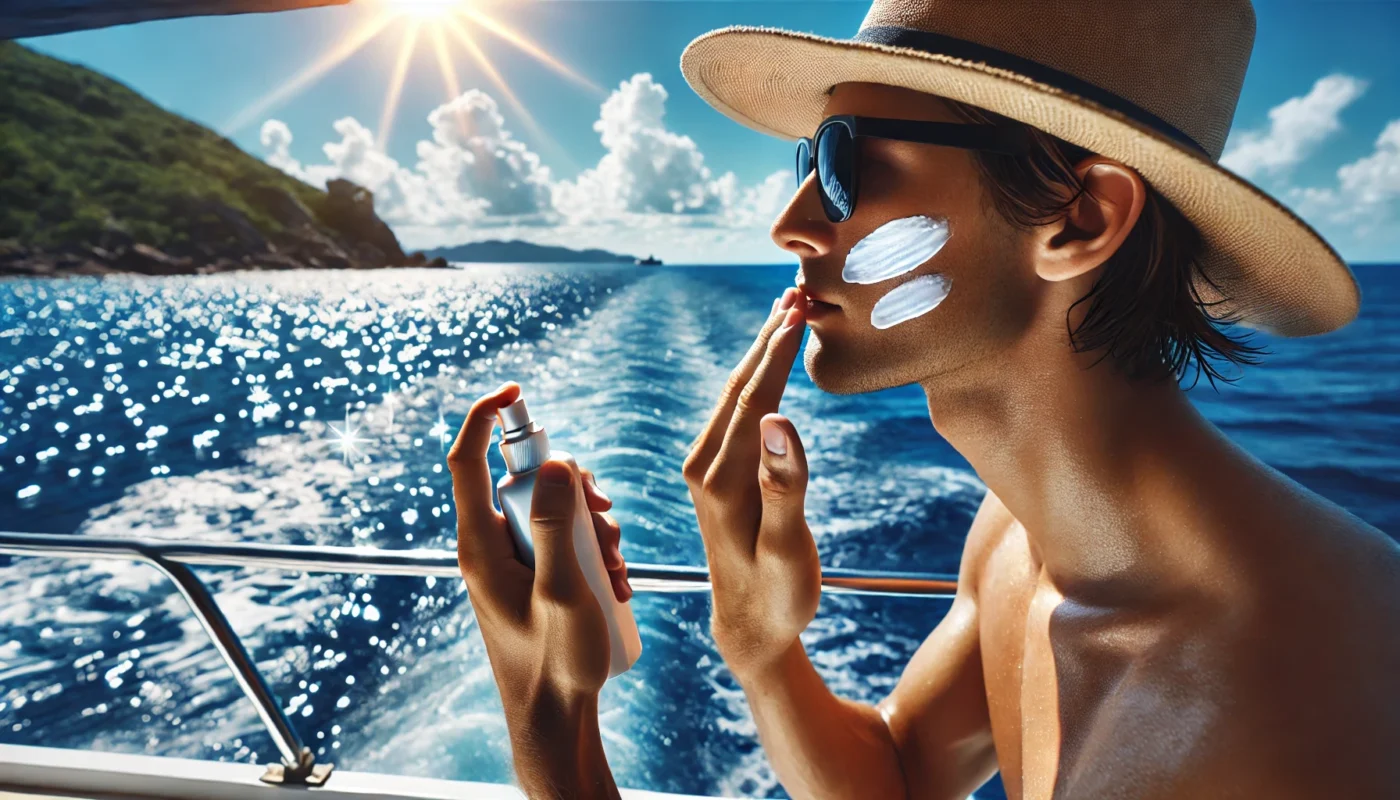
<point>449,72</point>
<point>500,29</point>
<point>343,50</point>
<point>541,137</point>
<point>391,100</point>
<point>485,63</point>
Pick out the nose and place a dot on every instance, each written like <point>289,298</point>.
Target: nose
<point>802,227</point>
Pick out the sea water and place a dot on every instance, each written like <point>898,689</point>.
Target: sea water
<point>303,408</point>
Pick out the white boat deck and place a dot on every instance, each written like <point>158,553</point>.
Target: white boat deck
<point>51,773</point>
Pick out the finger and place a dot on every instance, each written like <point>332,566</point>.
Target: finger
<point>557,572</point>
<point>707,445</point>
<point>480,538</point>
<point>622,590</point>
<point>609,539</point>
<point>597,500</point>
<point>733,471</point>
<point>782,482</point>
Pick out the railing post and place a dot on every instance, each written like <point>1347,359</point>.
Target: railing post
<point>298,763</point>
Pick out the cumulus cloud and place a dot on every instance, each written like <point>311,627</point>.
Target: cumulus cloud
<point>472,152</point>
<point>647,168</point>
<point>1366,192</point>
<point>651,192</point>
<point>276,139</point>
<point>1296,127</point>
<point>400,195</point>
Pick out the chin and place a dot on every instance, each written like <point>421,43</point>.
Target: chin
<point>838,372</point>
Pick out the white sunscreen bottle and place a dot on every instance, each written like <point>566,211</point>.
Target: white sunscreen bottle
<point>525,446</point>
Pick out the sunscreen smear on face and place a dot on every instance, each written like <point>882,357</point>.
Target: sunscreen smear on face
<point>899,246</point>
<point>525,446</point>
<point>909,300</point>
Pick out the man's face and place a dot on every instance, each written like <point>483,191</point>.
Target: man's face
<point>910,195</point>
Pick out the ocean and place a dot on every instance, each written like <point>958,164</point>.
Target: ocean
<point>215,408</point>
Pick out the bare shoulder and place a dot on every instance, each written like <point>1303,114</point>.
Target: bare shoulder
<point>937,713</point>
<point>1275,679</point>
<point>987,532</point>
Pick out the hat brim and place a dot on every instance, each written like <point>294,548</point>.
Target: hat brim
<point>1274,273</point>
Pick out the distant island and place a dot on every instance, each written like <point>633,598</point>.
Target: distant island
<point>95,179</point>
<point>492,251</point>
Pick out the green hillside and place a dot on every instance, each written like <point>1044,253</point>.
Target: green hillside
<point>81,154</point>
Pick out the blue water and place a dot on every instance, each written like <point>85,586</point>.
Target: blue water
<point>208,408</point>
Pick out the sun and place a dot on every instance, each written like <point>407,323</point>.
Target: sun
<point>425,9</point>
<point>419,20</point>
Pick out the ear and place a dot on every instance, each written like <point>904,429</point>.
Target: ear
<point>1095,225</point>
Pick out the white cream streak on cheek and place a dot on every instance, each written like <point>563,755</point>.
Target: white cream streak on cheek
<point>894,248</point>
<point>908,300</point>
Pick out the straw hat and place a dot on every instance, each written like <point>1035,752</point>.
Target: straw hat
<point>1150,83</point>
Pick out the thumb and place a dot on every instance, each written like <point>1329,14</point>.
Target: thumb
<point>782,480</point>
<point>557,573</point>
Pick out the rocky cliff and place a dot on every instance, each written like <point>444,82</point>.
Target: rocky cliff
<point>95,178</point>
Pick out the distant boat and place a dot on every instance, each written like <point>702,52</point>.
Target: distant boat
<point>649,261</point>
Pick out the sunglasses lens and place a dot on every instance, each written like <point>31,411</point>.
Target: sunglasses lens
<point>835,169</point>
<point>804,161</point>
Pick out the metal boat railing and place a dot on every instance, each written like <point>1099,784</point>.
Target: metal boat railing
<point>174,558</point>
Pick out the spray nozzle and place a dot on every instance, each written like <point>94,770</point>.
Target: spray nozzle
<point>514,416</point>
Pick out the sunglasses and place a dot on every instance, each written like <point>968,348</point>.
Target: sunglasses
<point>832,151</point>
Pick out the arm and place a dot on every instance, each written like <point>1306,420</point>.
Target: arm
<point>930,738</point>
<point>544,631</point>
<point>557,750</point>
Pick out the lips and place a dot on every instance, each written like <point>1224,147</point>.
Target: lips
<point>816,299</point>
<point>817,309</point>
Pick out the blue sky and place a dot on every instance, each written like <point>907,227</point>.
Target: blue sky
<point>1318,124</point>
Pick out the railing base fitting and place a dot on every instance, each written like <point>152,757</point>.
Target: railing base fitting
<point>305,773</point>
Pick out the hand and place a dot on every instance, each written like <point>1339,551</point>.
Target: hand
<point>764,570</point>
<point>545,633</point>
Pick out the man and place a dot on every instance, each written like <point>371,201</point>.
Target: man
<point>1143,609</point>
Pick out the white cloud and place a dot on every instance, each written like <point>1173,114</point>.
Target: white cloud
<point>1366,192</point>
<point>761,203</point>
<point>651,192</point>
<point>399,194</point>
<point>1296,127</point>
<point>472,152</point>
<point>276,139</point>
<point>647,168</point>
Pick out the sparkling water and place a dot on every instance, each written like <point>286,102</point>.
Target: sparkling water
<point>317,408</point>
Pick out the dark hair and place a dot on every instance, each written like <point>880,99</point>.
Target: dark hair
<point>1144,310</point>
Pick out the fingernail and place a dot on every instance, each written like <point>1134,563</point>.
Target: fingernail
<point>789,295</point>
<point>555,476</point>
<point>773,309</point>
<point>794,315</point>
<point>773,438</point>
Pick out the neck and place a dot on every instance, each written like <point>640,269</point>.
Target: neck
<point>1094,466</point>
